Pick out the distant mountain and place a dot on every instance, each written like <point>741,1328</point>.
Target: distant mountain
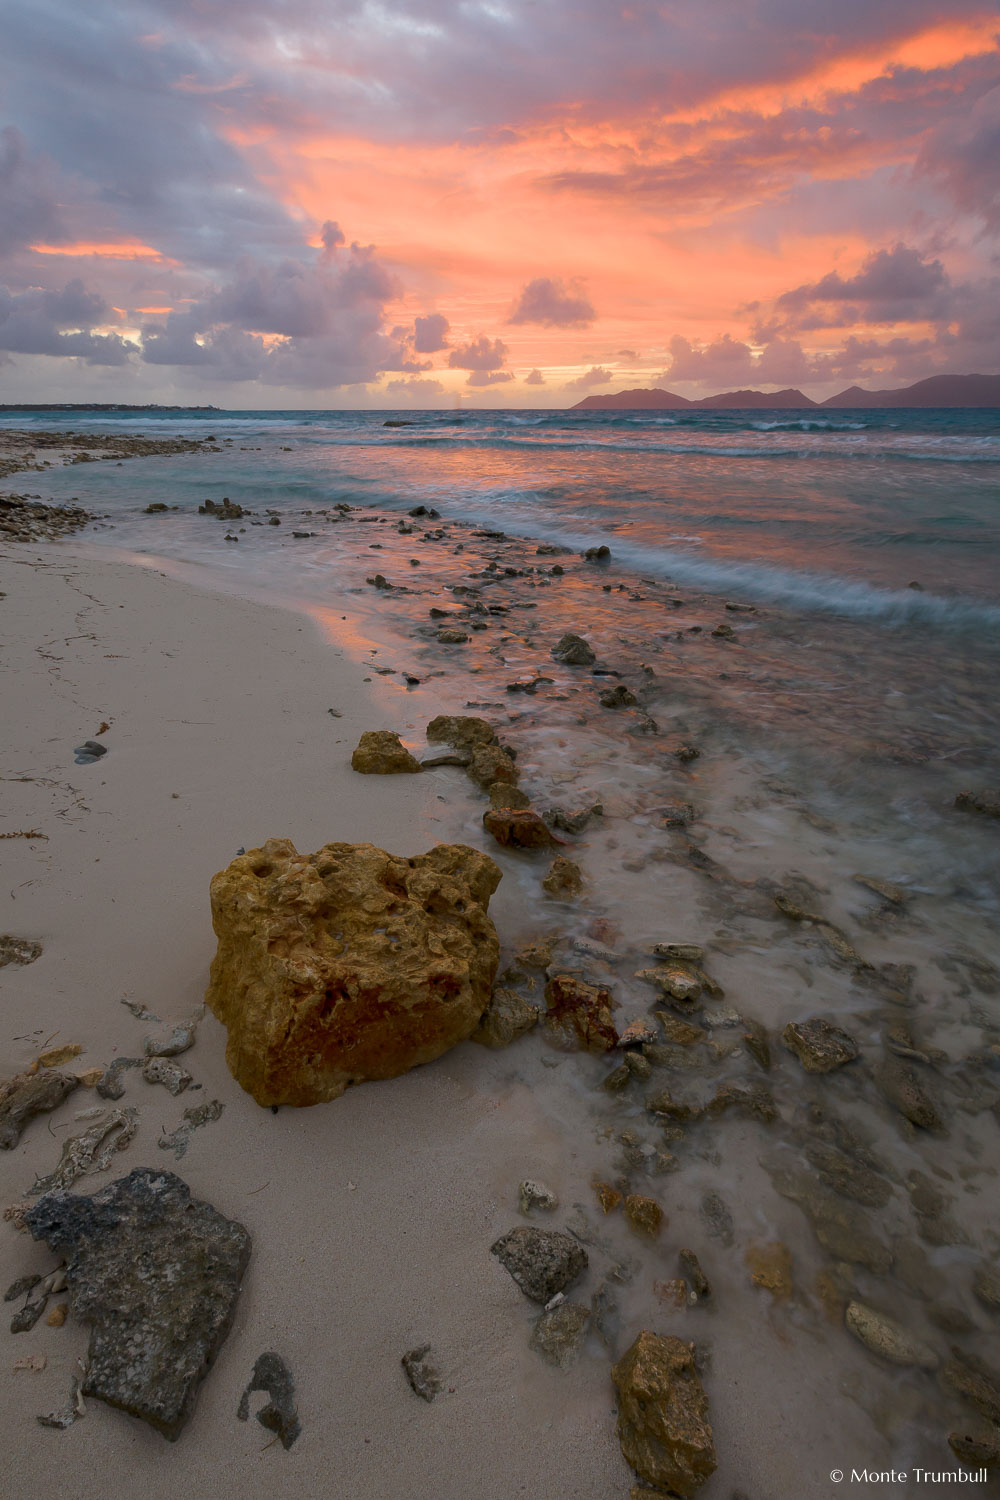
<point>790,400</point>
<point>637,400</point>
<point>937,390</point>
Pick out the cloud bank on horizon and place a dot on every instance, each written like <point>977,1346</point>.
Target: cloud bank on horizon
<point>398,202</point>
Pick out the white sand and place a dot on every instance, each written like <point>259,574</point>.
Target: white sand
<point>371,1217</point>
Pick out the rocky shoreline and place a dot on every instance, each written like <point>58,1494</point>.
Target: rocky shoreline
<point>773,1029</point>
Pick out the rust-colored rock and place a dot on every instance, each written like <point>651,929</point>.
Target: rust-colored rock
<point>380,753</point>
<point>348,964</point>
<point>517,828</point>
<point>663,1422</point>
<point>607,1196</point>
<point>644,1214</point>
<point>564,878</point>
<point>490,764</point>
<point>579,1014</point>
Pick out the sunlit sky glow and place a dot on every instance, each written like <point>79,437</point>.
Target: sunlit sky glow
<point>509,203</point>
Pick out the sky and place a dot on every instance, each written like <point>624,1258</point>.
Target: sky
<point>418,203</point>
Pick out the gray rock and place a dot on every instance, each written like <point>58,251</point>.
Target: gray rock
<point>541,1261</point>
<point>819,1046</point>
<point>179,1040</point>
<point>92,1150</point>
<point>421,1373</point>
<point>536,1195</point>
<point>174,1078</point>
<point>157,1275</point>
<point>986,1285</point>
<point>900,1085</point>
<point>201,1114</point>
<point>35,1096</point>
<point>560,1332</point>
<point>15,950</point>
<point>110,1085</point>
<point>887,1338</point>
<point>717,1218</point>
<point>272,1375</point>
<point>691,1267</point>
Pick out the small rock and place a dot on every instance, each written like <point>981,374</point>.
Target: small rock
<point>272,1375</point>
<point>691,1267</point>
<point>507,1016</point>
<point>597,555</point>
<point>579,1014</point>
<point>898,1082</point>
<point>559,1333</point>
<point>771,1269</point>
<point>887,1338</point>
<point>608,1197</point>
<point>110,1085</point>
<point>573,651</point>
<point>174,1078</point>
<point>986,1285</point>
<point>573,822</point>
<point>451,637</point>
<point>511,798</point>
<point>57,1316</point>
<point>564,878</point>
<point>177,1040</point>
<point>971,1380</point>
<point>757,1043</point>
<point>976,1444</point>
<point>489,764</point>
<point>380,753</point>
<point>663,1422</point>
<point>674,982</point>
<point>424,1379</point>
<point>617,697</point>
<point>724,632</point>
<point>462,730</point>
<point>56,1056</point>
<point>194,1119</point>
<point>32,1362</point>
<point>518,828</point>
<point>638,1033</point>
<point>819,1046</point>
<point>644,1214</point>
<point>15,950</point>
<point>90,1077</point>
<point>536,1195</point>
<point>541,1261</point>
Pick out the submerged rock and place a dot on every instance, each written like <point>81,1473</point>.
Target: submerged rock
<point>573,651</point>
<point>579,1014</point>
<point>506,1017</point>
<point>887,1338</point>
<point>559,1333</point>
<point>348,964</point>
<point>541,1261</point>
<point>157,1275</point>
<point>644,1214</point>
<point>564,878</point>
<point>517,828</point>
<point>272,1375</point>
<point>503,796</point>
<point>698,1281</point>
<point>380,753</point>
<point>985,802</point>
<point>663,1422</point>
<point>26,1095</point>
<point>819,1046</point>
<point>574,821</point>
<point>618,697</point>
<point>898,1082</point>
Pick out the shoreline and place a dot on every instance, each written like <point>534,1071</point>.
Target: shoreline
<point>435,1157</point>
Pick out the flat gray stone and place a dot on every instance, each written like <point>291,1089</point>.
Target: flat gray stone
<point>157,1275</point>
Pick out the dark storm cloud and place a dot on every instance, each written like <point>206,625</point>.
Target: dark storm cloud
<point>60,323</point>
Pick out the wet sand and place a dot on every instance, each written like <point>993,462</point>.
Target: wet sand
<point>224,702</point>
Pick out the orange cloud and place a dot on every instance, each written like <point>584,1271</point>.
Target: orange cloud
<point>107,250</point>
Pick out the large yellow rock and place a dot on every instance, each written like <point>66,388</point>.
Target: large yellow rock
<point>663,1423</point>
<point>348,964</point>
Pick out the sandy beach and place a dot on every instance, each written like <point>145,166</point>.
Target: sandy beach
<point>227,721</point>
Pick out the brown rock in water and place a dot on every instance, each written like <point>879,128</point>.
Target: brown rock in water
<point>644,1214</point>
<point>505,797</point>
<point>573,651</point>
<point>771,1269</point>
<point>564,878</point>
<point>617,697</point>
<point>24,1095</point>
<point>490,764</point>
<point>380,753</point>
<point>579,1014</point>
<point>663,1422</point>
<point>607,1196</point>
<point>517,827</point>
<point>507,1017</point>
<point>986,802</point>
<point>463,730</point>
<point>819,1046</point>
<point>887,1338</point>
<point>348,964</point>
<point>898,1082</point>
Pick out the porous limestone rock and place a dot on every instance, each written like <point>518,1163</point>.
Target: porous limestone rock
<point>663,1422</point>
<point>819,1046</point>
<point>541,1261</point>
<point>511,797</point>
<point>348,964</point>
<point>559,1333</point>
<point>380,753</point>
<point>579,1014</point>
<point>506,1017</point>
<point>490,764</point>
<point>564,878</point>
<point>157,1275</point>
<point>887,1338</point>
<point>463,730</point>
